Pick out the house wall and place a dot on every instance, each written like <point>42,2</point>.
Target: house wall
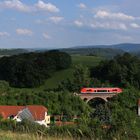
<point>41,122</point>
<point>47,119</point>
<point>17,119</point>
<point>139,110</point>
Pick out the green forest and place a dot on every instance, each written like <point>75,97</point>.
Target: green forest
<point>31,69</point>
<point>121,71</point>
<point>116,119</point>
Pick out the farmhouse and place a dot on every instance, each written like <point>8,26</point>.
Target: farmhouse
<point>35,113</point>
<point>139,107</point>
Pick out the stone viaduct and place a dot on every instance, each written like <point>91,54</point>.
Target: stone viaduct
<point>87,97</point>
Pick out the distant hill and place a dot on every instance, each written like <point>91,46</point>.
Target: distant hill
<point>104,52</point>
<point>128,47</point>
<point>8,52</point>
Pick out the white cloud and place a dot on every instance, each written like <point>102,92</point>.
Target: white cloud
<point>24,32</point>
<point>56,19</point>
<point>20,6</point>
<point>135,25</point>
<point>39,21</point>
<point>46,7</point>
<point>108,15</point>
<point>82,6</point>
<point>78,23</point>
<point>109,25</point>
<point>2,34</point>
<point>123,38</point>
<point>15,4</point>
<point>46,36</point>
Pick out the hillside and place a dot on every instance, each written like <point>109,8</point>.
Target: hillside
<point>119,114</point>
<point>108,51</point>
<point>89,61</point>
<point>8,52</point>
<point>103,52</point>
<point>32,69</point>
<point>61,75</point>
<point>128,47</point>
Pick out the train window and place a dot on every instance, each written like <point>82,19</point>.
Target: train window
<point>89,90</point>
<point>95,91</point>
<point>114,90</point>
<point>101,90</point>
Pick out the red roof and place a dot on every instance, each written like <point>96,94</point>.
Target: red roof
<point>7,111</point>
<point>37,111</point>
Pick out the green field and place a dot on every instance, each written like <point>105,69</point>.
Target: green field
<point>89,61</point>
<point>54,81</point>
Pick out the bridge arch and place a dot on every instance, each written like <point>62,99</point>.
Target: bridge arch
<point>85,99</point>
<point>98,97</point>
<point>104,96</point>
<point>96,101</point>
<point>108,98</point>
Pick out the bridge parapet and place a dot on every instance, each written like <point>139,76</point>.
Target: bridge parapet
<point>104,96</point>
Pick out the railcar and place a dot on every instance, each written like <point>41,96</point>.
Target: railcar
<point>101,90</point>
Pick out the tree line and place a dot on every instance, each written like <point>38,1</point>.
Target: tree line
<point>123,71</point>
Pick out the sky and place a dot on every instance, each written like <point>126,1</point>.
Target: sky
<point>68,23</point>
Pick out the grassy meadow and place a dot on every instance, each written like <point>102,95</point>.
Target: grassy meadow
<point>8,135</point>
<point>88,61</point>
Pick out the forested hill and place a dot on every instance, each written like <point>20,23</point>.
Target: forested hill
<point>8,52</point>
<point>105,52</point>
<point>31,69</point>
<point>128,47</point>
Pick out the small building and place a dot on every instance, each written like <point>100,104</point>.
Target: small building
<point>139,107</point>
<point>34,113</point>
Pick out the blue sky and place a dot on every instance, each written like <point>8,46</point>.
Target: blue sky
<point>68,23</point>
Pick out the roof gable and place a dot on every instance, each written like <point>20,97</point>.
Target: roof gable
<point>38,112</point>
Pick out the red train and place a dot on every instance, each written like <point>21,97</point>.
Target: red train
<point>101,90</point>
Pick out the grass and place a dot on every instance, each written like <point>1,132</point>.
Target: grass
<point>88,61</point>
<point>58,77</point>
<point>8,135</point>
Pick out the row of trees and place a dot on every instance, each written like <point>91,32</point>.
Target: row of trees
<point>121,71</point>
<point>31,69</point>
